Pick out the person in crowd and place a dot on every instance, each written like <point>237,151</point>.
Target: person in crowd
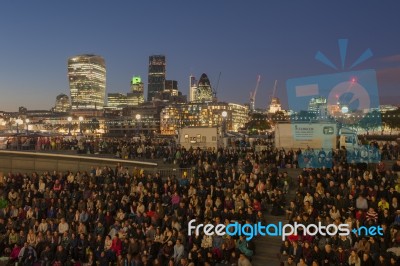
<point>111,214</point>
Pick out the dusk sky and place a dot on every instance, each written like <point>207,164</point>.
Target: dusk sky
<point>241,39</point>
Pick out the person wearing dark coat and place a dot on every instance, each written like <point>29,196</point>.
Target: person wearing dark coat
<point>328,256</point>
<point>60,257</point>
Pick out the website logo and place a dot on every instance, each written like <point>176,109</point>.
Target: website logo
<point>280,229</point>
<point>346,99</point>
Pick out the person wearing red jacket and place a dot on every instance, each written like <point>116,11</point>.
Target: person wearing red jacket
<point>116,245</point>
<point>14,253</point>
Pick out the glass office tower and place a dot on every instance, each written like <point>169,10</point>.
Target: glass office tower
<point>156,78</point>
<point>87,81</point>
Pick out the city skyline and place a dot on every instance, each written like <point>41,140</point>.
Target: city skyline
<point>275,40</point>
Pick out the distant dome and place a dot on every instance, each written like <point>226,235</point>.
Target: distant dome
<point>275,100</point>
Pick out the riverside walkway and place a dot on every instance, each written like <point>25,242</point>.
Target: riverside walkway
<point>267,247</point>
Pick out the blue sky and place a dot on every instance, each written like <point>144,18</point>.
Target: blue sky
<point>241,39</point>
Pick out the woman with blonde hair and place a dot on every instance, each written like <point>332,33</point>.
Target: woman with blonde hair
<point>31,238</point>
<point>354,260</point>
<point>320,189</point>
<point>334,213</point>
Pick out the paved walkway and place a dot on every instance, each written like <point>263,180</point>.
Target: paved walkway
<point>267,247</point>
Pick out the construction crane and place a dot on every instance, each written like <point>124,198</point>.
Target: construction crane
<point>274,104</point>
<point>253,95</point>
<point>216,87</point>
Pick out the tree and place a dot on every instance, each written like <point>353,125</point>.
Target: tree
<point>278,116</point>
<point>258,122</point>
<point>370,121</point>
<point>305,116</point>
<point>391,119</point>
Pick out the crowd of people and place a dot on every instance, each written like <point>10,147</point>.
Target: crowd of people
<point>115,215</point>
<point>346,194</point>
<point>167,149</point>
<point>121,216</point>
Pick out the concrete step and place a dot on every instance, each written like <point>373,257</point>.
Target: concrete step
<point>267,247</point>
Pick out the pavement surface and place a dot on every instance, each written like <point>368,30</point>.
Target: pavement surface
<point>267,247</point>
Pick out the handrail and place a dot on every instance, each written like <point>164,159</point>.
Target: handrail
<point>60,156</point>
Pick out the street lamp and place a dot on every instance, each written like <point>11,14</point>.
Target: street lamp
<point>27,124</point>
<point>138,117</point>
<point>80,124</point>
<point>69,125</point>
<point>18,122</point>
<point>224,115</point>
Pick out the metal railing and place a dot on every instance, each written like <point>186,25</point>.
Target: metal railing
<point>28,162</point>
<point>21,161</point>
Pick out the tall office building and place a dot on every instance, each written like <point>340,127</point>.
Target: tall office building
<point>116,100</point>
<point>192,88</point>
<point>87,81</point>
<point>171,86</point>
<point>136,96</point>
<point>204,91</point>
<point>318,106</point>
<point>156,78</point>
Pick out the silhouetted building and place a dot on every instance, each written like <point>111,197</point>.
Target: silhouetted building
<point>156,78</point>
<point>172,87</point>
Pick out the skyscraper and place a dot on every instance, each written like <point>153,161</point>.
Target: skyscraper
<point>204,91</point>
<point>136,96</point>
<point>87,81</point>
<point>156,78</point>
<point>171,86</point>
<point>192,88</point>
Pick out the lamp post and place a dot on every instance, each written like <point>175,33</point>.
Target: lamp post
<point>138,117</point>
<point>18,122</point>
<point>80,124</point>
<point>224,115</point>
<point>69,125</point>
<point>27,125</point>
